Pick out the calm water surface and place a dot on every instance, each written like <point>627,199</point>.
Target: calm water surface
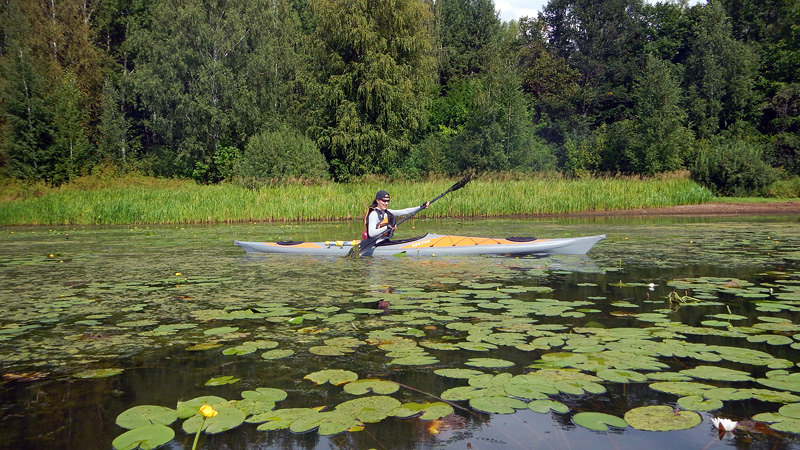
<point>145,300</point>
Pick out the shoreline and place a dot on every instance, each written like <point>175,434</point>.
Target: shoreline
<point>704,209</point>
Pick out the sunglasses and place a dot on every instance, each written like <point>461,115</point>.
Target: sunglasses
<point>384,200</point>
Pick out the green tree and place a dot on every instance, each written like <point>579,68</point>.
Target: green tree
<point>770,27</point>
<point>499,134</point>
<point>602,41</point>
<point>720,74</point>
<point>26,113</point>
<point>115,142</point>
<point>283,153</point>
<point>468,32</point>
<point>374,71</point>
<point>70,147</point>
<point>656,138</point>
<point>211,73</point>
<point>548,80</point>
<point>48,75</point>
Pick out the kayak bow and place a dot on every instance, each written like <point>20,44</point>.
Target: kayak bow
<point>434,245</point>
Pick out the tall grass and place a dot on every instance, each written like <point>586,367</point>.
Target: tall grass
<point>143,200</point>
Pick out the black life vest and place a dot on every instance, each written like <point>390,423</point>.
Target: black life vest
<point>384,218</point>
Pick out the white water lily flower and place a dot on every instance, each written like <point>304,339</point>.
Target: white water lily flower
<point>652,286</point>
<point>724,424</point>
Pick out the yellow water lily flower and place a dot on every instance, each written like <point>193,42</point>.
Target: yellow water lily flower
<point>207,411</point>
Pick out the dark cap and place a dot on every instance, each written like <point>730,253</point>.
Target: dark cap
<point>381,195</point>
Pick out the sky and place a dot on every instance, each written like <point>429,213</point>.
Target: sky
<point>514,9</point>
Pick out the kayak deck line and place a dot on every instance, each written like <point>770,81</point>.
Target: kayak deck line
<point>434,245</point>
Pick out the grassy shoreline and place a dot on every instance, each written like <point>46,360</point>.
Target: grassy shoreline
<point>142,200</point>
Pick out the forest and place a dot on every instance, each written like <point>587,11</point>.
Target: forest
<point>248,91</point>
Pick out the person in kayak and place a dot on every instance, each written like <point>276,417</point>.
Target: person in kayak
<point>380,220</point>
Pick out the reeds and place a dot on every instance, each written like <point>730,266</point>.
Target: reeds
<point>143,200</point>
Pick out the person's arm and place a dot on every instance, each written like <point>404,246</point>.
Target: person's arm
<point>372,222</point>
<point>407,211</point>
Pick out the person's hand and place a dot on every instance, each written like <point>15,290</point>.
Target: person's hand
<point>426,204</point>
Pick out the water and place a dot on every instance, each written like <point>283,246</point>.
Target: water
<point>139,299</point>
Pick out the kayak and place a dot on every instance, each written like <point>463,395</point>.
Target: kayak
<point>434,245</point>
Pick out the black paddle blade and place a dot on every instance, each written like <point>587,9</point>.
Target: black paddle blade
<point>461,183</point>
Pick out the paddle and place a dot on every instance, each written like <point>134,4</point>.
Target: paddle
<point>368,244</point>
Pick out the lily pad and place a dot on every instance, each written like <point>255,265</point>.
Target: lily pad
<point>458,373</point>
<point>425,411</point>
<point>220,381</point>
<point>661,418</point>
<point>697,403</point>
<point>545,406</point>
<point>332,376</point>
<point>717,373</point>
<point>145,437</point>
<point>598,421</point>
<point>98,373</point>
<point>227,418</point>
<point>265,395</point>
<point>493,363</point>
<point>497,405</point>
<point>142,415</point>
<point>220,330</point>
<point>361,387</point>
<point>277,354</point>
<point>191,407</point>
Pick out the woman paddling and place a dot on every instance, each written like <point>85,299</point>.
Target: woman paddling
<point>380,220</point>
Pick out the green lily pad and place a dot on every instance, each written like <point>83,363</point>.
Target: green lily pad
<point>98,373</point>
<point>771,339</point>
<point>545,406</point>
<point>621,376</point>
<point>717,373</point>
<point>779,422</point>
<point>598,421</point>
<point>277,354</point>
<point>332,376</point>
<point>203,346</point>
<point>697,403</point>
<point>361,387</point>
<point>220,381</point>
<point>142,415</point>
<point>145,437</point>
<point>371,409</point>
<point>425,411</point>
<point>661,418</point>
<point>227,418</point>
<point>792,411</point>
<point>329,350</point>
<point>191,407</point>
<point>458,373</point>
<point>493,363</point>
<point>279,419</point>
<point>265,395</point>
<point>239,350</point>
<point>220,330</point>
<point>497,405</point>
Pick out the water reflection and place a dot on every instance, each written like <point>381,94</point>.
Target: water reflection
<point>110,297</point>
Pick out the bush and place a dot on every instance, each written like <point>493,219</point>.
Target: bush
<point>284,153</point>
<point>788,188</point>
<point>733,168</point>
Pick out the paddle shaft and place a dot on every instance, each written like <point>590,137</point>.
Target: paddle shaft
<point>366,244</point>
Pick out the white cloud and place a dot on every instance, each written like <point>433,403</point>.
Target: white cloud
<point>514,9</point>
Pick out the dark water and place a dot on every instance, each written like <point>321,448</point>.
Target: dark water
<point>135,299</point>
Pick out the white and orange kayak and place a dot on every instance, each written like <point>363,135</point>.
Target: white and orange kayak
<point>434,245</point>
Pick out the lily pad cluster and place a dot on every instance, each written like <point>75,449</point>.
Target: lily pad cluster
<point>149,425</point>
